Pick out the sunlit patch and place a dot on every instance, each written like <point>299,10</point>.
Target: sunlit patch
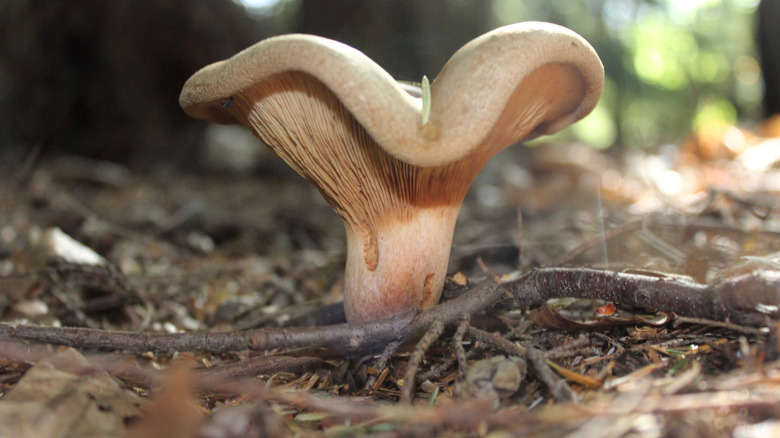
<point>260,7</point>
<point>761,157</point>
<point>734,139</point>
<point>665,179</point>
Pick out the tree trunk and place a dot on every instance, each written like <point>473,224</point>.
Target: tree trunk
<point>769,45</point>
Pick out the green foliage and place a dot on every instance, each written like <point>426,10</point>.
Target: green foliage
<point>671,65</point>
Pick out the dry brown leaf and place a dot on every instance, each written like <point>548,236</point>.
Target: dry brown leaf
<point>172,413</point>
<point>67,396</point>
<point>573,376</point>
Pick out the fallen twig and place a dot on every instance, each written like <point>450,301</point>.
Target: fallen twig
<point>558,387</point>
<point>346,339</point>
<point>457,346</point>
<point>407,393</point>
<point>497,341</point>
<point>381,361</point>
<point>722,324</point>
<point>749,299</point>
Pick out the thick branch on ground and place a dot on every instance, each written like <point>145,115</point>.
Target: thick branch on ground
<point>346,339</point>
<point>749,299</point>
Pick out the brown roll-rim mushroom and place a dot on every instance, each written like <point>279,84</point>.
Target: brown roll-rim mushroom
<point>396,167</point>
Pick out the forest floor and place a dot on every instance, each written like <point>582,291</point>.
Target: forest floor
<point>183,253</point>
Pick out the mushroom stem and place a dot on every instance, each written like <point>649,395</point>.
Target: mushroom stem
<point>400,267</point>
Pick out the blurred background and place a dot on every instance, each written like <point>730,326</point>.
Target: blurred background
<point>102,79</point>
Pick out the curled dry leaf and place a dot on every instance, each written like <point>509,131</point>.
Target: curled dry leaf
<point>549,318</point>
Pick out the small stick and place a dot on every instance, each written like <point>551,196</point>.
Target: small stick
<point>457,345</point>
<point>566,349</point>
<point>497,341</point>
<point>611,341</point>
<point>435,372</point>
<point>726,324</point>
<point>429,338</point>
<point>559,389</point>
<point>381,363</point>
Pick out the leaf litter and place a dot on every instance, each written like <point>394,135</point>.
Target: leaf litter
<point>192,253</point>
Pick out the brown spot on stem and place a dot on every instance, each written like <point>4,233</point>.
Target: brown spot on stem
<point>370,251</point>
<point>427,289</point>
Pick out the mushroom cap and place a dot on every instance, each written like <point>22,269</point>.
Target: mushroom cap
<point>502,87</point>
